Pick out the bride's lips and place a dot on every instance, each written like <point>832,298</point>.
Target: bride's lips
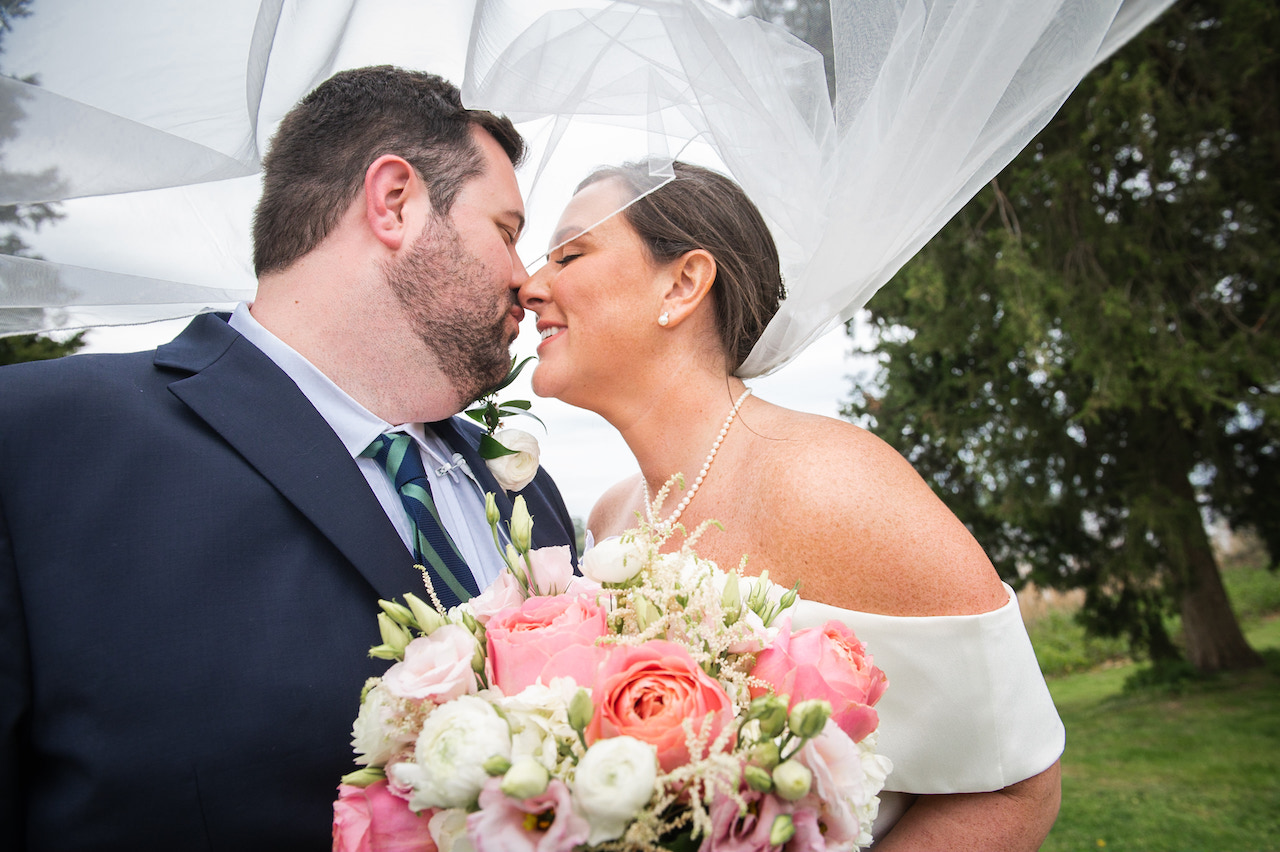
<point>548,331</point>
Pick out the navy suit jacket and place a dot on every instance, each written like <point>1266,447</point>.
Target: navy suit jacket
<point>190,564</point>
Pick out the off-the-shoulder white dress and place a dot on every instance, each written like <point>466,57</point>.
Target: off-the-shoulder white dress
<point>967,709</point>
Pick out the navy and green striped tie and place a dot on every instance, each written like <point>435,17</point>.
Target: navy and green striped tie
<point>432,548</point>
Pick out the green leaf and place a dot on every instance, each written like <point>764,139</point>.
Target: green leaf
<point>490,448</point>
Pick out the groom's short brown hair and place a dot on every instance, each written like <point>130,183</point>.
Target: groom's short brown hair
<point>317,159</point>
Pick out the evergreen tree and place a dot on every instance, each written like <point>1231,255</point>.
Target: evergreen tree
<point>15,218</point>
<point>1085,362</point>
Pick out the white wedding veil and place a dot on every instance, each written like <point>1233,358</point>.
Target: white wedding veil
<point>148,127</point>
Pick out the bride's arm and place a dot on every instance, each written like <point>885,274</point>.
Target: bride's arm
<point>1016,818</point>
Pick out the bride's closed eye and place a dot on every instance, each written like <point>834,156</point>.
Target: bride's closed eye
<point>567,259</point>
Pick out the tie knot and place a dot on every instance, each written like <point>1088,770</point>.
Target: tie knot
<point>398,457</point>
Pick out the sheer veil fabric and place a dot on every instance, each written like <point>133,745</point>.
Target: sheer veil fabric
<point>150,126</point>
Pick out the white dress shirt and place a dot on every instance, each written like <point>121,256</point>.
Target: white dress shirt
<point>458,496</point>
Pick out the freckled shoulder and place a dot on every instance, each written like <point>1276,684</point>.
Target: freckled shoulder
<point>616,509</point>
<point>855,523</point>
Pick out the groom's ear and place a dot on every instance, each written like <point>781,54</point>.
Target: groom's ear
<point>392,191</point>
<point>691,278</point>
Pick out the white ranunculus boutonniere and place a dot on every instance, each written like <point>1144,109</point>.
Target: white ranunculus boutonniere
<point>510,454</point>
<point>515,468</point>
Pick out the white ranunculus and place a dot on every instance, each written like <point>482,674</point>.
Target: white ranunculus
<point>448,831</point>
<point>380,729</point>
<point>614,783</point>
<point>516,470</point>
<point>539,720</point>
<point>448,766</point>
<point>612,561</point>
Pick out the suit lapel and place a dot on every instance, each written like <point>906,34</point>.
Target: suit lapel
<point>259,411</point>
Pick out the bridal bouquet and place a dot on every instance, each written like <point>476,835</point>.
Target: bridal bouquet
<point>656,702</point>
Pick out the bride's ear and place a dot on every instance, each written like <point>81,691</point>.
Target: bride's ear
<point>691,278</point>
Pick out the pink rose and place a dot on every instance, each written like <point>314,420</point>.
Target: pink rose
<point>435,667</point>
<point>503,593</point>
<point>736,831</point>
<point>552,570</point>
<point>542,823</point>
<point>372,819</point>
<point>647,691</point>
<point>546,637</point>
<point>827,663</point>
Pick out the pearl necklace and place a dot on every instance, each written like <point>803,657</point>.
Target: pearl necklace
<point>702,474</point>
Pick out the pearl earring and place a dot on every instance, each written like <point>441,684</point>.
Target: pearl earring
<point>664,318</point>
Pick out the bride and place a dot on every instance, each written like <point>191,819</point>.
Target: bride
<point>645,316</point>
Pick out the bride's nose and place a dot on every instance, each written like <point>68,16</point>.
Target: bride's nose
<point>536,290</point>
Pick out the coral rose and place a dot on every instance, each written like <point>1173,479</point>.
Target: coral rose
<point>647,691</point>
<point>829,663</point>
<point>373,818</point>
<point>546,637</point>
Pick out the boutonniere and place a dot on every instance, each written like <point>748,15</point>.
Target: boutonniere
<point>510,454</point>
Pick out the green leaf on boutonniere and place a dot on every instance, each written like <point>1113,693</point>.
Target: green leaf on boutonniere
<point>492,449</point>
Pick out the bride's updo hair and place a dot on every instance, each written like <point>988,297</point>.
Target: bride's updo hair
<point>702,209</point>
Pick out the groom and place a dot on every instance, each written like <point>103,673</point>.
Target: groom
<point>193,540</point>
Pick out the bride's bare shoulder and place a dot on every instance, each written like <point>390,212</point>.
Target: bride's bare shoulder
<point>868,527</point>
<point>616,509</point>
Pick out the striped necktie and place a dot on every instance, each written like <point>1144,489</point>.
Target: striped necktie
<point>432,548</point>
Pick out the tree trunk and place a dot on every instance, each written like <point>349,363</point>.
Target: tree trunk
<point>1211,632</point>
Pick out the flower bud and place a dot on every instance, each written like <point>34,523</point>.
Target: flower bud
<point>429,620</point>
<point>581,709</point>
<point>782,830</point>
<point>771,710</point>
<point>496,765</point>
<point>808,718</point>
<point>385,652</point>
<point>758,597</point>
<point>491,513</point>
<point>517,566</point>
<point>478,658</point>
<point>521,525</point>
<point>792,779</point>
<point>398,613</point>
<point>393,635</point>
<point>363,777</point>
<point>789,597</point>
<point>757,778</point>
<point>731,599</point>
<point>526,778</point>
<point>765,754</point>
<point>646,612</point>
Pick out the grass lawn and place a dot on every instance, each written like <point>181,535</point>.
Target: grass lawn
<point>1158,771</point>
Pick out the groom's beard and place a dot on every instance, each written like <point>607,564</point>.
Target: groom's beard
<point>451,300</point>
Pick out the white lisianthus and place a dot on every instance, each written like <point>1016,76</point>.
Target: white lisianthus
<point>614,782</point>
<point>380,730</point>
<point>515,470</point>
<point>847,778</point>
<point>448,766</point>
<point>613,561</point>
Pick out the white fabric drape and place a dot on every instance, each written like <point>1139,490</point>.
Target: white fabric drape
<point>153,122</point>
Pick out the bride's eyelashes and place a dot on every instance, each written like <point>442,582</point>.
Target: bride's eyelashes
<point>566,260</point>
